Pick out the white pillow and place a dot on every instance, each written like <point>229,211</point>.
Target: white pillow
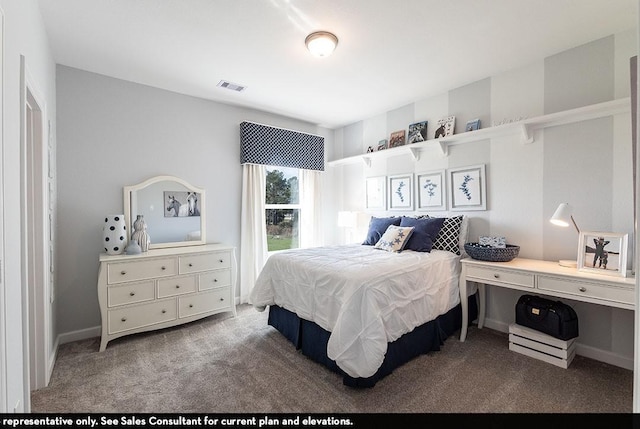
<point>395,238</point>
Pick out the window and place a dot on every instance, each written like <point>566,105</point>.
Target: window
<point>283,208</point>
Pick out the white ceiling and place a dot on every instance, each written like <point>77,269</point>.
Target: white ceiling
<point>390,53</point>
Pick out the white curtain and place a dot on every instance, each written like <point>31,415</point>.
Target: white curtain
<point>311,222</point>
<point>253,234</point>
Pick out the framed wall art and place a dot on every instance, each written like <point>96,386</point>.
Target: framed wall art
<point>472,125</point>
<point>375,193</point>
<point>445,127</point>
<point>417,132</point>
<point>430,191</point>
<point>397,138</point>
<point>382,144</point>
<point>468,188</point>
<point>603,253</point>
<point>400,191</point>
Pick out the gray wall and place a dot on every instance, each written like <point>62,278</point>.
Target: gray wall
<point>587,164</point>
<point>113,133</point>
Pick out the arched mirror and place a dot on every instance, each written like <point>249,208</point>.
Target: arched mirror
<point>173,210</point>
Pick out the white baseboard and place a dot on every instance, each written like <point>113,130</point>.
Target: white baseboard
<point>581,349</point>
<point>81,334</point>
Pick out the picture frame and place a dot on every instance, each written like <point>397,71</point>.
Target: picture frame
<point>397,138</point>
<point>445,127</point>
<point>382,145</point>
<point>603,253</point>
<point>400,192</point>
<point>181,204</point>
<point>468,188</point>
<point>375,193</point>
<point>431,193</point>
<point>417,132</point>
<point>472,125</point>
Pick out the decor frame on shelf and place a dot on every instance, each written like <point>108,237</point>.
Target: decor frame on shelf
<point>468,188</point>
<point>446,127</point>
<point>417,132</point>
<point>400,190</point>
<point>382,145</point>
<point>376,193</point>
<point>472,125</point>
<point>612,244</point>
<point>431,191</point>
<point>397,139</point>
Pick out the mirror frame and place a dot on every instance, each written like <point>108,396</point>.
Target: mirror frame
<point>127,190</point>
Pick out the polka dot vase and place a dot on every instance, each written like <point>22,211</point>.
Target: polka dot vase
<point>114,234</point>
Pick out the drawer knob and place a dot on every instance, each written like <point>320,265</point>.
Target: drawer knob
<point>221,299</point>
<point>191,265</point>
<point>582,289</point>
<point>221,260</point>
<point>163,268</point>
<point>215,280</point>
<point>132,293</point>
<point>497,276</point>
<point>190,305</point>
<point>124,319</point>
<point>123,273</point>
<point>164,311</point>
<point>177,286</point>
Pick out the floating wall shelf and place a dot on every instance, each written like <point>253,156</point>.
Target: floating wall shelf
<point>525,128</point>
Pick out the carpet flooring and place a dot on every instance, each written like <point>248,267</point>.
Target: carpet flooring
<point>224,364</point>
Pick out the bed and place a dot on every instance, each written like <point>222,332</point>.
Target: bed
<point>361,311</point>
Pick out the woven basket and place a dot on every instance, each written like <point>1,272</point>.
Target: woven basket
<point>492,254</point>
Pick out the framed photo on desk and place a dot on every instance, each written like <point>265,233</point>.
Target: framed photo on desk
<point>603,253</point>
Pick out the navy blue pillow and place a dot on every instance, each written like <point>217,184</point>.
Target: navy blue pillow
<point>424,233</point>
<point>377,227</point>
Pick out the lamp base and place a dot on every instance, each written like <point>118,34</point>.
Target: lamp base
<point>568,263</point>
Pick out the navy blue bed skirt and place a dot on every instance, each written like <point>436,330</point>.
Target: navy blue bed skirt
<point>312,340</point>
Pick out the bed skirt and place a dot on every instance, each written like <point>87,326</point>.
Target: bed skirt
<point>312,340</point>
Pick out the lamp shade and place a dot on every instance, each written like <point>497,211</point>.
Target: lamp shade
<point>562,215</point>
<point>321,43</point>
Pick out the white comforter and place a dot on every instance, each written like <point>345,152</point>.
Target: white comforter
<point>365,297</point>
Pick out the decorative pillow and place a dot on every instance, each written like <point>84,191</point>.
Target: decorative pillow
<point>395,238</point>
<point>449,236</point>
<point>426,230</point>
<point>377,227</point>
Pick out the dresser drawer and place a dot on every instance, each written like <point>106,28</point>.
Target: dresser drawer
<point>120,272</point>
<point>131,293</point>
<point>587,289</point>
<point>176,286</point>
<point>124,319</point>
<point>214,279</point>
<point>204,302</point>
<point>204,262</point>
<point>492,275</point>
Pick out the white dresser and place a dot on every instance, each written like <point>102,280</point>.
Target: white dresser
<point>164,287</point>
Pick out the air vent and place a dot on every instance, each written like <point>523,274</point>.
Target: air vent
<point>231,86</point>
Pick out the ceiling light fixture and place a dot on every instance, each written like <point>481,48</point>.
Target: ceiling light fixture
<point>321,43</point>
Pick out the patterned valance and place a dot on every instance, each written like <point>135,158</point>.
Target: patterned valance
<point>262,144</point>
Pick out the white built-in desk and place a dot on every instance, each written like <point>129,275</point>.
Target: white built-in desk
<point>543,278</point>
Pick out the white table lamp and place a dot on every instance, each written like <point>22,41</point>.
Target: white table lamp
<point>348,221</point>
<point>563,217</point>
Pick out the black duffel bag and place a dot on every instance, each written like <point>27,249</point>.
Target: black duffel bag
<point>554,318</point>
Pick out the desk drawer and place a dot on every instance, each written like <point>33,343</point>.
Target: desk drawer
<point>217,299</point>
<point>204,262</point>
<point>124,319</point>
<point>588,289</point>
<point>176,286</point>
<point>121,272</point>
<point>215,279</point>
<point>131,293</point>
<point>493,275</point>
